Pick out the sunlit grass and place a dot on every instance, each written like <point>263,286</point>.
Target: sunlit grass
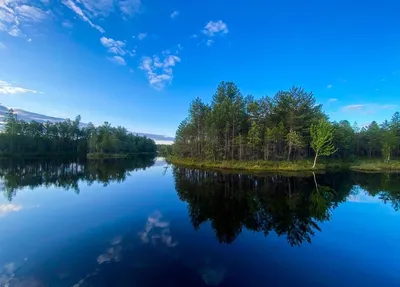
<point>256,165</point>
<point>376,165</point>
<point>299,165</point>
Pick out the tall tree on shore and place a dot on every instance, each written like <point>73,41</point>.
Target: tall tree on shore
<point>322,139</point>
<point>294,141</point>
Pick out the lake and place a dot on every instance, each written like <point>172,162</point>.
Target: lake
<point>146,223</point>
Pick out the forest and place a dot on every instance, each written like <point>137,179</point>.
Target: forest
<point>69,138</point>
<point>288,126</point>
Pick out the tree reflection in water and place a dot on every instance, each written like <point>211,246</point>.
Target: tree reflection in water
<point>290,206</point>
<point>66,174</point>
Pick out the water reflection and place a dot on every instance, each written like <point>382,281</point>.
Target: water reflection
<point>291,206</point>
<point>66,174</point>
<point>385,187</point>
<point>157,230</point>
<point>145,239</point>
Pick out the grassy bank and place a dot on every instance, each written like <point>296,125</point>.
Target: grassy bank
<point>375,165</point>
<point>259,165</point>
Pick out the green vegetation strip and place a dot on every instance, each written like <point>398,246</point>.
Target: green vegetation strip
<point>303,165</point>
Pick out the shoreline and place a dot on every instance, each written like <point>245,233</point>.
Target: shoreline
<point>284,166</point>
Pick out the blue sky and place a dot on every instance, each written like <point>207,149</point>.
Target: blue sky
<point>139,63</point>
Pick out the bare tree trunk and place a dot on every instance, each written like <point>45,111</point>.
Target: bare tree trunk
<point>315,159</point>
<point>289,152</point>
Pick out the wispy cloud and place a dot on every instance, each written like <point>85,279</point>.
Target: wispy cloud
<point>10,89</point>
<point>141,36</point>
<point>329,86</point>
<point>97,8</point>
<point>174,14</point>
<point>8,208</point>
<point>117,48</point>
<point>14,14</point>
<point>67,24</point>
<point>114,46</point>
<point>215,28</point>
<point>74,7</point>
<point>130,7</point>
<point>159,72</point>
<point>118,60</point>
<point>367,108</point>
<point>350,108</point>
<point>2,46</point>
<point>209,42</point>
<point>332,100</point>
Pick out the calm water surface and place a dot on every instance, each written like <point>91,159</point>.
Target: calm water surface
<point>144,223</point>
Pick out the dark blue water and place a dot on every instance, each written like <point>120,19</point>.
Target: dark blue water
<point>139,224</point>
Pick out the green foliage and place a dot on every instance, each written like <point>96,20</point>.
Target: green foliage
<point>68,137</point>
<point>294,141</point>
<point>322,138</point>
<point>234,127</point>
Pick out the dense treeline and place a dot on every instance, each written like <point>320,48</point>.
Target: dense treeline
<point>68,137</point>
<point>164,149</point>
<point>291,206</point>
<point>66,173</point>
<point>290,125</point>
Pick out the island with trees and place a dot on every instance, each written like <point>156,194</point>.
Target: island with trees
<point>70,138</point>
<point>288,131</point>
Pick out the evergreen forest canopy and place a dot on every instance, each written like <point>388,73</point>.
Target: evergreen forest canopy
<point>290,125</point>
<point>69,138</point>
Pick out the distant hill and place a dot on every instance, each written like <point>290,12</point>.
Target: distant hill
<point>30,116</point>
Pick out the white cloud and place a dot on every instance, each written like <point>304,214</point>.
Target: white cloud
<point>350,108</point>
<point>141,36</point>
<point>30,13</point>
<point>209,42</point>
<point>67,24</point>
<point>215,28</point>
<point>7,89</point>
<point>332,100</point>
<point>97,8</point>
<point>117,48</point>
<point>130,7</point>
<point>14,14</point>
<point>72,5</point>
<point>114,46</point>
<point>2,46</point>
<point>366,108</point>
<point>118,60</point>
<point>329,86</point>
<point>159,72</point>
<point>174,14</point>
<point>7,208</point>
